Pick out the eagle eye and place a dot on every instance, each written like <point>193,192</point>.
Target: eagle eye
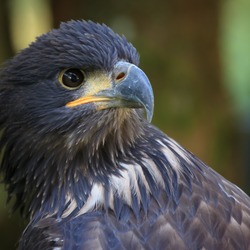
<point>72,78</point>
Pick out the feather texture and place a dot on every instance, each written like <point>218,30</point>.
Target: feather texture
<point>92,178</point>
<point>169,202</point>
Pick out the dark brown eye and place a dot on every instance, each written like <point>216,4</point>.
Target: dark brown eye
<point>72,78</point>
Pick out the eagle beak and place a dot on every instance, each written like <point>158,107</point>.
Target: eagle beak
<point>133,88</point>
<point>130,88</point>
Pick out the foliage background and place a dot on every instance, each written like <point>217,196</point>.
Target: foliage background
<point>196,54</point>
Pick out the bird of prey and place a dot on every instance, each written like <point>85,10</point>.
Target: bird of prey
<point>83,162</point>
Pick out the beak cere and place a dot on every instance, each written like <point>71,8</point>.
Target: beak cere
<point>130,88</point>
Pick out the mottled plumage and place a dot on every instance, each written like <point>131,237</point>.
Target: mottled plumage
<point>83,162</point>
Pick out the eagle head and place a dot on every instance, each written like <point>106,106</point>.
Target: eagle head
<point>70,104</point>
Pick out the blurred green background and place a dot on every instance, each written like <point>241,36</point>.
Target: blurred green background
<point>196,54</point>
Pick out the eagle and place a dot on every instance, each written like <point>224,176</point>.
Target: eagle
<point>82,161</point>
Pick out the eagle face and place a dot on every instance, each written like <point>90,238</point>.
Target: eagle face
<point>80,63</point>
<point>80,156</point>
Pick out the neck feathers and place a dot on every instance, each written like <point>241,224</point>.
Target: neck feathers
<point>137,178</point>
<point>72,175</point>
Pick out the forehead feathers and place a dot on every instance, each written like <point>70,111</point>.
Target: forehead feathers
<point>79,44</point>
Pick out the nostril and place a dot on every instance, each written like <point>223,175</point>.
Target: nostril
<point>120,76</point>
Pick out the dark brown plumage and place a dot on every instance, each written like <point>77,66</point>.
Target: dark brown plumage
<point>87,167</point>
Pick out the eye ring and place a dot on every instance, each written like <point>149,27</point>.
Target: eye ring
<point>71,78</point>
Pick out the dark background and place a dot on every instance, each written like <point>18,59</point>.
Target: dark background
<point>196,55</point>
